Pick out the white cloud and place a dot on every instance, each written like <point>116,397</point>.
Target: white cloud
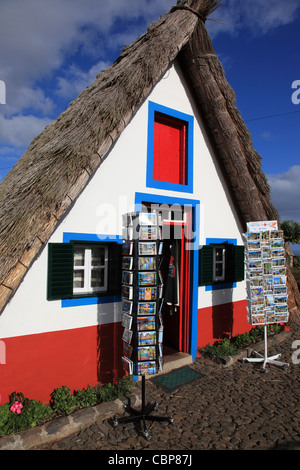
<point>19,131</point>
<point>76,80</point>
<point>285,193</point>
<point>258,16</point>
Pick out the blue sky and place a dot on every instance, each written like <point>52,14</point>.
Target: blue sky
<point>52,50</point>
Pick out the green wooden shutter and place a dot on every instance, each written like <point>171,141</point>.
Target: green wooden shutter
<point>60,271</point>
<point>206,265</point>
<point>114,268</point>
<point>234,263</point>
<point>239,263</point>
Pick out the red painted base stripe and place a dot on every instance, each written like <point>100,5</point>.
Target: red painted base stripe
<point>220,321</point>
<point>37,364</point>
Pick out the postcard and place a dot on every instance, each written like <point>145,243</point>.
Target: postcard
<point>127,249</point>
<point>257,281</point>
<point>276,234</point>
<point>269,316</point>
<point>127,336</point>
<point>253,236</point>
<point>146,308</point>
<point>256,291</point>
<point>280,299</point>
<point>268,283</point>
<point>257,301</point>
<point>147,293</point>
<point>148,233</point>
<point>147,248</point>
<point>146,338</point>
<point>254,273</point>
<point>146,353</point>
<point>254,254</point>
<point>127,233</point>
<point>146,218</point>
<point>255,264</point>
<point>127,277</point>
<point>253,244</point>
<point>147,263</point>
<point>278,262</point>
<point>269,300</point>
<point>265,236</point>
<point>278,308</point>
<point>267,268</point>
<point>127,262</point>
<point>127,365</point>
<point>266,252</point>
<point>277,252</point>
<point>147,278</point>
<point>257,319</point>
<point>127,321</point>
<point>127,349</point>
<point>160,334</point>
<point>127,306</point>
<point>281,318</point>
<point>279,271</point>
<point>279,281</point>
<point>277,243</point>
<point>127,292</point>
<point>147,367</point>
<point>280,290</point>
<point>145,323</point>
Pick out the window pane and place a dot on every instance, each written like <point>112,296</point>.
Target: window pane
<point>78,278</point>
<point>98,256</point>
<point>219,254</point>
<point>79,257</point>
<point>97,278</point>
<point>219,270</point>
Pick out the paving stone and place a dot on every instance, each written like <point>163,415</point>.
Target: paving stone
<point>235,408</point>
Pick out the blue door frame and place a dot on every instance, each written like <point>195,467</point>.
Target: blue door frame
<point>195,205</point>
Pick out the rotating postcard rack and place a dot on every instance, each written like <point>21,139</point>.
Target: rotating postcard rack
<point>266,281</point>
<point>141,305</point>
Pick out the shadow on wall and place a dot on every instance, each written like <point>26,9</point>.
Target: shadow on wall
<point>109,343</point>
<point>222,313</point>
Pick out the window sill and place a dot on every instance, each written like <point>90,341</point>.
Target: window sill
<point>218,286</point>
<point>90,300</point>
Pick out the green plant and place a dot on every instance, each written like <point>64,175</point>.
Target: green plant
<point>226,347</point>
<point>21,413</point>
<point>30,414</point>
<point>62,401</point>
<point>220,348</point>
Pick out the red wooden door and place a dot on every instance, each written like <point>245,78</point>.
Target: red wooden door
<point>176,325</point>
<point>169,150</point>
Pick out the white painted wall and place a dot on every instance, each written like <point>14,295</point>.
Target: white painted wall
<point>110,194</point>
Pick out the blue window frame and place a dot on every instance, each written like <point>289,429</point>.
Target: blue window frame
<point>189,121</point>
<point>97,299</point>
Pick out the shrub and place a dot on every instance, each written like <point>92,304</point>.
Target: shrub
<point>18,418</point>
<point>226,347</point>
<point>21,413</point>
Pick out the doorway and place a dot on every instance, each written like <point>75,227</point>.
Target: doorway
<point>175,268</point>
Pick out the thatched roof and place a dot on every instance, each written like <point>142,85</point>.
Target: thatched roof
<point>59,163</point>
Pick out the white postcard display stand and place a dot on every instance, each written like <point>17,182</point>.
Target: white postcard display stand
<point>141,305</point>
<point>266,281</point>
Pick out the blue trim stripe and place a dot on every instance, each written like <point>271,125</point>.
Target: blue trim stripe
<point>189,119</point>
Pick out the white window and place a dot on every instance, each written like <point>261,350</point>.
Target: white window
<point>219,263</point>
<point>90,269</point>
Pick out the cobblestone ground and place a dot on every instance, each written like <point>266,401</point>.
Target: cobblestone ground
<point>237,408</point>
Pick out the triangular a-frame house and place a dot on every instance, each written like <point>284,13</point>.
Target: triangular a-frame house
<point>159,128</point>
